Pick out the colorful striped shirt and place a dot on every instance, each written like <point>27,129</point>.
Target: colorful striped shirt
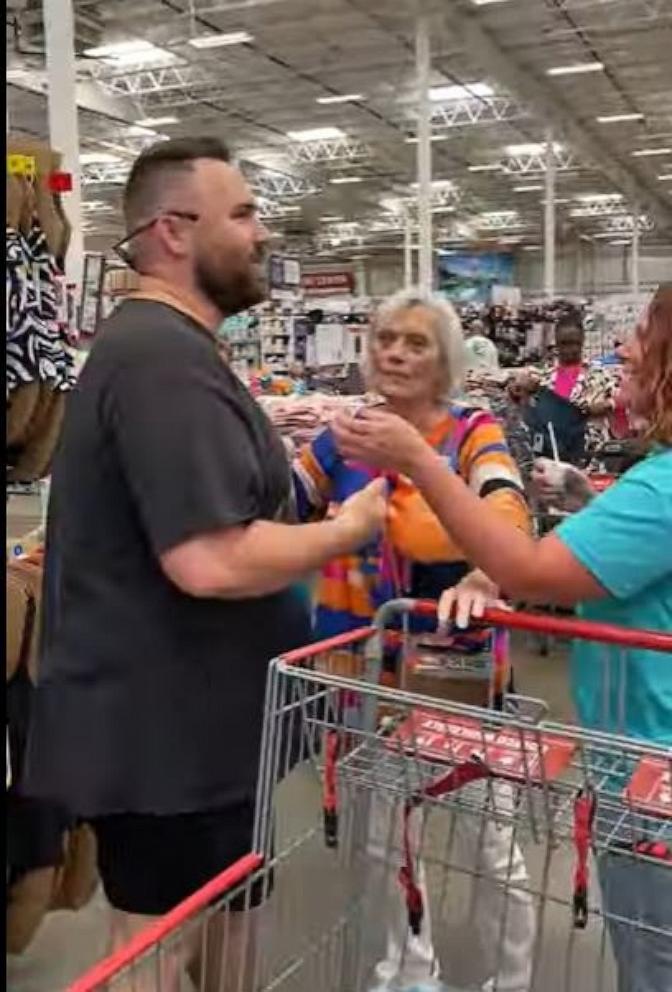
<point>416,555</point>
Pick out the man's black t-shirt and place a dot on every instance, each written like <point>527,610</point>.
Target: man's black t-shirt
<point>149,700</point>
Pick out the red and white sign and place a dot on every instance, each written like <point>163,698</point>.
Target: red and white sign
<point>509,753</point>
<point>328,283</point>
<point>650,788</point>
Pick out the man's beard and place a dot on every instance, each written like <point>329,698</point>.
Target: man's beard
<point>230,291</point>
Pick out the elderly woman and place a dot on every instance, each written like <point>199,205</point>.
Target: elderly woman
<point>613,560</point>
<point>414,362</point>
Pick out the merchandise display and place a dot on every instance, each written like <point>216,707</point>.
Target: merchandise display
<point>338,583</point>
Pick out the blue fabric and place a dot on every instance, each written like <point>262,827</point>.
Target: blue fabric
<point>624,539</point>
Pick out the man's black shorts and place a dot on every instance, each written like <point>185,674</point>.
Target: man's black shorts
<point>149,864</point>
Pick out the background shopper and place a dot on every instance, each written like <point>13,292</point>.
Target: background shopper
<point>169,562</point>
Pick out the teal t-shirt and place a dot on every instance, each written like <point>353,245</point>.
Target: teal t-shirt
<point>624,539</point>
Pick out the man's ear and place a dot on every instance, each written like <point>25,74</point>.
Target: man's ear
<point>175,237</point>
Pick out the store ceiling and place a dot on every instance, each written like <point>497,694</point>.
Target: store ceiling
<point>301,53</point>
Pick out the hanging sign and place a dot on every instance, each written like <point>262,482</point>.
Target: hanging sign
<point>22,165</point>
<point>328,283</point>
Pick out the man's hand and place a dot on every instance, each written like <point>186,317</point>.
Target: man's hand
<point>469,598</point>
<point>362,516</point>
<point>381,439</point>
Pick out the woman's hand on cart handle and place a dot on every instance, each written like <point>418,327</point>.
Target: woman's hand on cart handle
<point>363,514</point>
<point>469,598</point>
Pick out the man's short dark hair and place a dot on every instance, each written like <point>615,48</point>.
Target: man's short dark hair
<point>157,165</point>
<point>570,320</point>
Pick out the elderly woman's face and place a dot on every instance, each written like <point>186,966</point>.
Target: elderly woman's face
<point>405,355</point>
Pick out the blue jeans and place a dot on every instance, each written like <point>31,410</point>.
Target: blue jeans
<point>636,891</point>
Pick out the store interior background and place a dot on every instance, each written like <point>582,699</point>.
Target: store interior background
<point>348,70</point>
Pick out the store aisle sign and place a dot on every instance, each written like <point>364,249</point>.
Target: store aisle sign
<point>328,283</point>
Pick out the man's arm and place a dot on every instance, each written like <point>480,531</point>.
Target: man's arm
<point>264,557</point>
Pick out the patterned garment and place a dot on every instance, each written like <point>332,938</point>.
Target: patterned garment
<point>416,555</point>
<point>595,384</point>
<point>485,388</point>
<point>35,344</point>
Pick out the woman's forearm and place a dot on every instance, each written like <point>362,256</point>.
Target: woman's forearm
<point>524,568</point>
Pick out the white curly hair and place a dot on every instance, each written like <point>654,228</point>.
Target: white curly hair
<point>447,328</point>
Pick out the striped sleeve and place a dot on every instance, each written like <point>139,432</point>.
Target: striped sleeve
<point>311,473</point>
<point>487,466</point>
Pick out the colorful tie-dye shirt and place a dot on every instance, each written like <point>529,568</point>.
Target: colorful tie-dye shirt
<point>415,556</point>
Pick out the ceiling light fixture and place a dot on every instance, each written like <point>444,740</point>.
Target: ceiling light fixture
<point>598,197</point>
<point>98,158</point>
<point>156,121</point>
<point>486,168</point>
<point>666,177</point>
<point>534,188</point>
<point>575,69</point>
<point>467,91</point>
<point>139,131</point>
<point>485,3</point>
<point>621,241</point>
<point>221,40</point>
<point>342,180</point>
<point>618,118</point>
<point>331,218</point>
<point>433,137</point>
<point>132,52</point>
<point>650,152</point>
<point>531,248</point>
<point>346,98</point>
<point>531,148</point>
<point>558,200</point>
<point>317,134</point>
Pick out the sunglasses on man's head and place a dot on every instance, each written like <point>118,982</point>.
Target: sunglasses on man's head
<point>123,248</point>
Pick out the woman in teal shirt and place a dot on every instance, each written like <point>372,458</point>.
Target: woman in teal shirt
<point>613,561</point>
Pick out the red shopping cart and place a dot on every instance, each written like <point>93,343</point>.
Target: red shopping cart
<point>397,834</point>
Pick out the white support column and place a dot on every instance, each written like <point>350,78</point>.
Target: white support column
<point>634,260</point>
<point>59,31</point>
<point>549,219</point>
<point>423,67</point>
<point>408,249</point>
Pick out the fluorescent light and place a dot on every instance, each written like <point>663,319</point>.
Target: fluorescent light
<point>156,121</point>
<point>317,134</point>
<point>666,177</point>
<point>331,218</point>
<point>576,69</point>
<point>621,241</point>
<point>557,200</point>
<point>527,189</point>
<point>598,197</point>
<point>649,152</point>
<point>531,148</point>
<point>346,98</point>
<point>342,180</point>
<point>132,52</point>
<point>531,248</point>
<point>619,118</point>
<point>433,137</point>
<point>221,40</point>
<point>486,168</point>
<point>98,158</point>
<point>446,94</point>
<point>485,3</point>
<point>138,131</point>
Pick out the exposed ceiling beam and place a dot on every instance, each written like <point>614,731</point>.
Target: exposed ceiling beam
<point>483,48</point>
<point>89,95</point>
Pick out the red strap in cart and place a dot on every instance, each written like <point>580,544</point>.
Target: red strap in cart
<point>329,802</point>
<point>585,807</point>
<point>461,775</point>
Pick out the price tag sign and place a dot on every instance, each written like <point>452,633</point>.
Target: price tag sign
<point>524,756</point>
<point>22,165</point>
<point>650,788</point>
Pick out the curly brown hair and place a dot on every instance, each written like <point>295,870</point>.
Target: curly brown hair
<point>653,374</point>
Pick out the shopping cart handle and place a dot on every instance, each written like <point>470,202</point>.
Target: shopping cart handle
<point>585,630</point>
